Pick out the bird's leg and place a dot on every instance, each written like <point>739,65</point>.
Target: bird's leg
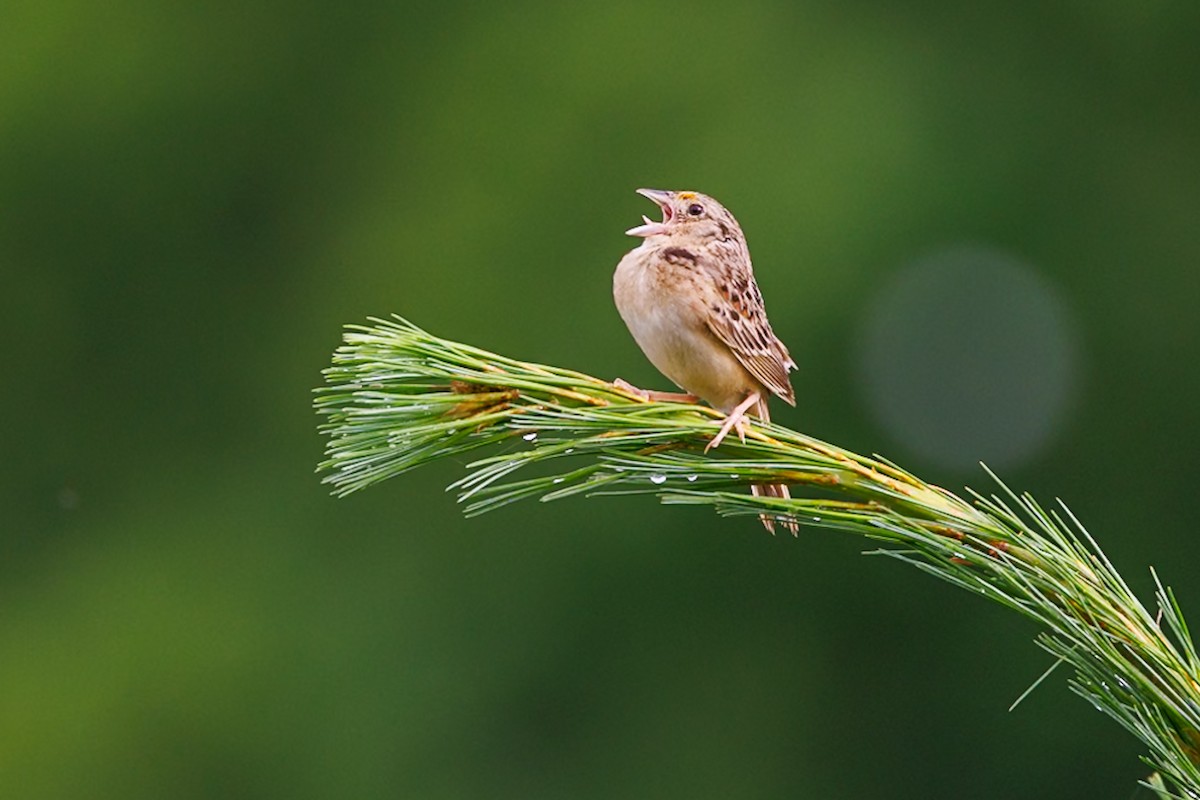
<point>647,394</point>
<point>735,420</point>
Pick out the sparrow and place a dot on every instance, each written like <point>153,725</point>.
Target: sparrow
<point>687,294</point>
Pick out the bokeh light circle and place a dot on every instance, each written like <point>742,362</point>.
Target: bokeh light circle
<point>968,355</point>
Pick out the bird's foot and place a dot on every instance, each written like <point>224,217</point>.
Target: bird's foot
<point>650,395</point>
<point>735,421</point>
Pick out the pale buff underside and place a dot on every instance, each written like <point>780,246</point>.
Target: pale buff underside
<point>664,310</point>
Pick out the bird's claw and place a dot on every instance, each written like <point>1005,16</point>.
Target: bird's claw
<point>626,386</point>
<point>736,420</point>
<point>649,395</point>
<point>738,424</point>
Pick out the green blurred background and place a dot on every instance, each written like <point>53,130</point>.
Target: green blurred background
<point>195,197</point>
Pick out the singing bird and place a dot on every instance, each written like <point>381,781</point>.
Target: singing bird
<point>688,295</point>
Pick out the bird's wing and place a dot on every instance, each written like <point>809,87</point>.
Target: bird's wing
<point>735,314</point>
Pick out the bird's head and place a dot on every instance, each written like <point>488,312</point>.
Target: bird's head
<point>687,214</point>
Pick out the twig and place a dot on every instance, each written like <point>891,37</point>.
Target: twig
<point>397,398</point>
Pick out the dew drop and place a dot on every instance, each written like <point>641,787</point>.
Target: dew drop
<point>816,519</point>
<point>558,480</point>
<point>692,478</point>
<point>658,480</point>
<point>529,437</point>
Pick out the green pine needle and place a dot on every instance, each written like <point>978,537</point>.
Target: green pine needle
<point>397,398</point>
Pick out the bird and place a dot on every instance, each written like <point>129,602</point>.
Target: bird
<point>688,296</point>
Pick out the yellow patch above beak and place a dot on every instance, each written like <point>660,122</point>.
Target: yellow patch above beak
<point>687,195</point>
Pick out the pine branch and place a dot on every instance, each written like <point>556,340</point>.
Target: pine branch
<point>397,398</point>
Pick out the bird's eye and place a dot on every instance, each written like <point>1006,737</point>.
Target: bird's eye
<point>695,209</point>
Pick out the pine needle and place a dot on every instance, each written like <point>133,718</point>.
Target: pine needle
<point>397,398</point>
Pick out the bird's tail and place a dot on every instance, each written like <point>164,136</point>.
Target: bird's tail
<point>771,489</point>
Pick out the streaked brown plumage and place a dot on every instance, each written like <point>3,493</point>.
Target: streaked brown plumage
<point>689,298</point>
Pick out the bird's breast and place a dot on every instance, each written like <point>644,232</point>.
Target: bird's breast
<point>660,303</point>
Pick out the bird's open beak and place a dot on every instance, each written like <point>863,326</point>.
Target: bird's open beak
<point>652,228</point>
